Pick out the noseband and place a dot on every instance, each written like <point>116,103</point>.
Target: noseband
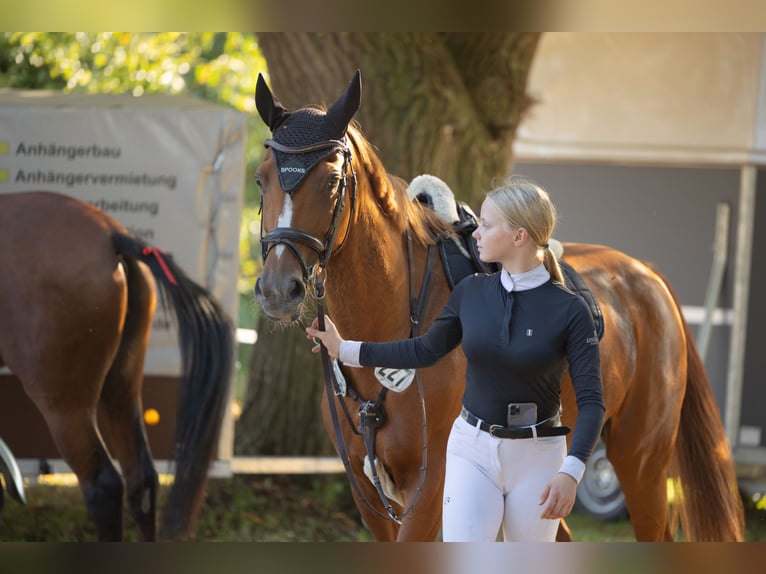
<point>290,237</point>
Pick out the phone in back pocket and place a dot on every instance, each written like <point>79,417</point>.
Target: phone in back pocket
<point>522,414</point>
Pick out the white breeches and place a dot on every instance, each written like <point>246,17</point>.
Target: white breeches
<point>492,482</point>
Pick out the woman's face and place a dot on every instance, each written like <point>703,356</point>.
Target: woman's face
<point>494,236</point>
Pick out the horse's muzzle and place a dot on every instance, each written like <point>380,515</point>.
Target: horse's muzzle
<point>282,301</point>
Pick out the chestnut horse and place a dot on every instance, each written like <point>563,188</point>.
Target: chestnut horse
<point>330,210</point>
<point>77,296</point>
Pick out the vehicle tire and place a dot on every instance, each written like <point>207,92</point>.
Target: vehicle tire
<point>599,493</point>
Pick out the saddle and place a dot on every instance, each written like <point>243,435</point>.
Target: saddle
<point>459,254</point>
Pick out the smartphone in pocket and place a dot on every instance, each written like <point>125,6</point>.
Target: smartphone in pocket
<point>522,414</point>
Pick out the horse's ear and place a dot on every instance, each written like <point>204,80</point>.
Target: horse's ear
<point>271,109</point>
<point>341,112</point>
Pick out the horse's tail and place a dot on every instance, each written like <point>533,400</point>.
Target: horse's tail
<point>206,339</point>
<point>710,506</point>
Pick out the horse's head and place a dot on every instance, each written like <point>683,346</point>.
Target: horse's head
<point>305,180</point>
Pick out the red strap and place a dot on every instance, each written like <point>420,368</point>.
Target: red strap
<point>161,260</point>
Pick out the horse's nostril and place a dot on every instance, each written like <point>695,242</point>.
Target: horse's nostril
<point>296,290</point>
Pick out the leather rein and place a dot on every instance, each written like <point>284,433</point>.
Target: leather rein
<point>371,414</point>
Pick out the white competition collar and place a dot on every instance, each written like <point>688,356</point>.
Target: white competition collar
<point>523,281</point>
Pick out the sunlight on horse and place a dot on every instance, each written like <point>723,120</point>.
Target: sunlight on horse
<point>329,207</point>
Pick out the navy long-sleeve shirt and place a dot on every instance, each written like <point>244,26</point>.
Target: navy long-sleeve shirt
<point>517,345</point>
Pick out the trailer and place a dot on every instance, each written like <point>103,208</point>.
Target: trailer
<point>655,144</point>
<point>171,169</point>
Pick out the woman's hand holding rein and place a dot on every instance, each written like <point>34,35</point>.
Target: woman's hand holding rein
<point>329,337</point>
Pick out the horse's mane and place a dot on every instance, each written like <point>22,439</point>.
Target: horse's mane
<point>390,194</point>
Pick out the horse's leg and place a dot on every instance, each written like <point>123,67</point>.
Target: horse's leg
<point>62,352</point>
<point>66,392</point>
<point>563,534</point>
<point>122,422</point>
<point>381,528</point>
<point>77,439</point>
<point>121,407</point>
<point>642,472</point>
<point>423,523</point>
<point>640,438</point>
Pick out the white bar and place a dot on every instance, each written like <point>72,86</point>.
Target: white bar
<point>30,468</point>
<point>720,254</point>
<point>286,465</point>
<point>247,336</point>
<point>695,315</point>
<point>742,263</point>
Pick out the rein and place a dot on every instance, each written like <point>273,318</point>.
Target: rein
<point>369,411</point>
<point>371,414</point>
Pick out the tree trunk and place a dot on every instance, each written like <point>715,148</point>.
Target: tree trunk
<point>443,104</point>
<point>281,413</point>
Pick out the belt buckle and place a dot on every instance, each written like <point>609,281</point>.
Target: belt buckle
<point>492,429</point>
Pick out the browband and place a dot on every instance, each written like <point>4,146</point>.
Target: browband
<point>306,148</point>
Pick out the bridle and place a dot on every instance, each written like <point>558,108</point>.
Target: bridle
<point>289,236</point>
<point>371,414</point>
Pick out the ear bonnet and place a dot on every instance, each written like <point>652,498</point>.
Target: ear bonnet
<point>301,138</point>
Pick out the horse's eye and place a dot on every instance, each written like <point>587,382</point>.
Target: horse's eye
<point>332,183</point>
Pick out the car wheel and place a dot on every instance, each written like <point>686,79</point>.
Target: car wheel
<point>599,492</point>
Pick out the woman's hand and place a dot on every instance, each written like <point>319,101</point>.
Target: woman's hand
<point>329,337</point>
<point>559,495</point>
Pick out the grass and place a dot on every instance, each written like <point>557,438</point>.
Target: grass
<point>259,508</point>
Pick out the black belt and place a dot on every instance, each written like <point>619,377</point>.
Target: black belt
<point>544,429</point>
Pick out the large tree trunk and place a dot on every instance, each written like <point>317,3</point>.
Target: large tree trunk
<point>281,414</point>
<point>444,104</point>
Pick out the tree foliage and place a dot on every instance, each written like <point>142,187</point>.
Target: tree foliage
<point>218,66</point>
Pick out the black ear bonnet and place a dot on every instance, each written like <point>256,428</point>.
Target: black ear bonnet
<point>301,138</point>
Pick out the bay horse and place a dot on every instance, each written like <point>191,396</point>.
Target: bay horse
<point>330,210</point>
<point>77,297</point>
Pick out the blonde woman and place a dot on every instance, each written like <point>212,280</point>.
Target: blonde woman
<point>507,460</point>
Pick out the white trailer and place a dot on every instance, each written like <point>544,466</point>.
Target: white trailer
<point>171,169</point>
<point>655,143</point>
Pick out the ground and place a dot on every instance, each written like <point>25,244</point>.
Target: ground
<point>259,508</point>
